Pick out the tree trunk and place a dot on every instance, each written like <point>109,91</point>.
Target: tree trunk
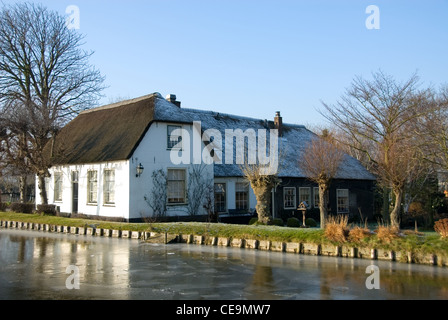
<point>385,210</point>
<point>22,188</point>
<point>395,214</point>
<point>263,195</point>
<point>323,204</point>
<point>42,188</point>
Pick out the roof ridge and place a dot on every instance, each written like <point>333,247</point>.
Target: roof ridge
<point>216,113</point>
<point>122,103</point>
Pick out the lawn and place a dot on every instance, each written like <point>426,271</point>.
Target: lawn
<point>427,242</point>
<point>257,232</point>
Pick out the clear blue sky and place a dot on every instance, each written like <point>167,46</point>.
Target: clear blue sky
<point>255,57</point>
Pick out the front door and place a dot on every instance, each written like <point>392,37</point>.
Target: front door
<point>74,191</point>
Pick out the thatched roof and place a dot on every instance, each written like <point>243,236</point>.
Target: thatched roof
<point>102,134</point>
<point>113,132</point>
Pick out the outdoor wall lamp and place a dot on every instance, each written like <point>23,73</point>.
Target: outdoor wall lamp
<point>139,170</point>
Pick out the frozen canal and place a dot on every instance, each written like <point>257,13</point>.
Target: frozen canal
<point>37,265</point>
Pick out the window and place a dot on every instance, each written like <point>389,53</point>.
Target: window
<point>241,196</point>
<point>342,200</point>
<point>57,186</point>
<point>174,138</point>
<point>75,176</point>
<point>316,197</point>
<point>176,186</point>
<point>305,195</point>
<point>92,186</point>
<point>220,197</point>
<point>289,198</point>
<point>109,187</point>
<point>47,183</point>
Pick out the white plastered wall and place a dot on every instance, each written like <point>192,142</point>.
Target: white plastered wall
<point>119,209</point>
<point>153,154</point>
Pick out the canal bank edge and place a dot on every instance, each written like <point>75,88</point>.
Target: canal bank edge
<point>267,245</point>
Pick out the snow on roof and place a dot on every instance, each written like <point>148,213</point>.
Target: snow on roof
<point>113,132</point>
<point>291,145</point>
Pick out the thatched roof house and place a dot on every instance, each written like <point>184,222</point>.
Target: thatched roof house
<point>134,132</point>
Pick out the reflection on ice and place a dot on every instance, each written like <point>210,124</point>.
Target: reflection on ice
<point>33,266</point>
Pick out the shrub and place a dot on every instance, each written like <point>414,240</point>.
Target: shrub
<point>293,222</point>
<point>274,222</point>
<point>49,209</point>
<point>22,207</point>
<point>253,221</point>
<point>387,233</point>
<point>3,206</point>
<point>441,227</point>
<point>413,233</point>
<point>336,228</point>
<point>416,208</point>
<point>278,222</point>
<point>310,222</point>
<point>357,234</point>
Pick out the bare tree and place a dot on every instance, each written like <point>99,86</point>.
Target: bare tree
<point>262,176</point>
<point>381,111</point>
<point>157,198</point>
<point>200,188</point>
<point>433,127</point>
<point>13,159</point>
<point>45,79</point>
<point>209,204</point>
<point>262,185</point>
<point>320,163</point>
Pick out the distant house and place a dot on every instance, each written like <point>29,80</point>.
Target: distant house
<point>442,181</point>
<point>108,162</point>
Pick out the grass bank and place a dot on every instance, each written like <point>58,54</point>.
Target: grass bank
<point>427,242</point>
<point>273,233</point>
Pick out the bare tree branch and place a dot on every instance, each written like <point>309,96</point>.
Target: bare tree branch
<point>320,163</point>
<point>378,116</point>
<point>45,79</point>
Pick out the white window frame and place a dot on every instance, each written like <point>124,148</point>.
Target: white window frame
<point>245,193</point>
<point>175,144</point>
<point>346,206</point>
<point>222,191</point>
<point>175,183</point>
<point>316,197</point>
<point>109,187</point>
<point>308,200</point>
<point>294,198</point>
<point>58,183</point>
<point>92,187</point>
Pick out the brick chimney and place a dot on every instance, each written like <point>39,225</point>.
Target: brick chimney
<point>172,98</point>
<point>278,122</point>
